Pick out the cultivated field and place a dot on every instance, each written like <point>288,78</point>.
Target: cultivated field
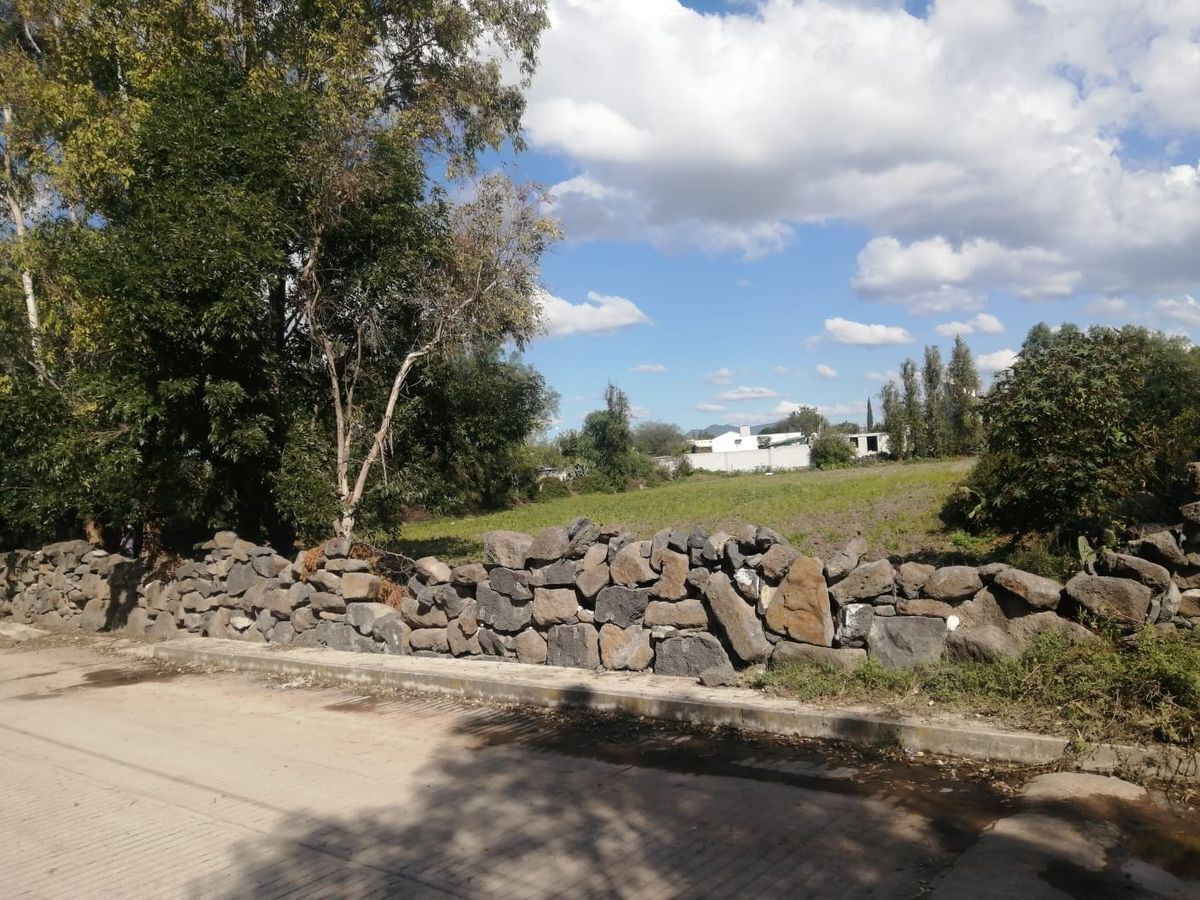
<point>895,506</point>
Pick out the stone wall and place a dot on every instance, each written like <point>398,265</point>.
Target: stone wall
<point>683,603</point>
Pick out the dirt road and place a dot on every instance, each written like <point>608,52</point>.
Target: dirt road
<point>118,779</point>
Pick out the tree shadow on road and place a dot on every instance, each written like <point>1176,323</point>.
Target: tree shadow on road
<point>523,804</point>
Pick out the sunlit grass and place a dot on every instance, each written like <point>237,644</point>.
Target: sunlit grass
<point>894,506</point>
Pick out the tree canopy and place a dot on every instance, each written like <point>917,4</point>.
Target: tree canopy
<point>232,271</point>
<point>1081,422</point>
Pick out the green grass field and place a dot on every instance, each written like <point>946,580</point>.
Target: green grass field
<point>895,506</point>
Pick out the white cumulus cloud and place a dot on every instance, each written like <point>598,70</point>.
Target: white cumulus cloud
<point>601,314</point>
<point>843,331</point>
<point>826,371</point>
<point>981,143</point>
<point>721,376</point>
<point>649,368</point>
<point>985,323</point>
<point>739,394</point>
<point>710,407</point>
<point>1181,311</point>
<point>994,362</point>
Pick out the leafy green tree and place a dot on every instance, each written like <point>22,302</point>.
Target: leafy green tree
<point>241,222</point>
<point>659,439</point>
<point>962,400</point>
<point>912,407</point>
<point>935,427</point>
<point>805,420</point>
<point>1082,423</point>
<point>831,450</point>
<point>895,422</point>
<point>610,438</point>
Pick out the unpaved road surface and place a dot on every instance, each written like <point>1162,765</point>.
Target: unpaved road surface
<point>120,779</point>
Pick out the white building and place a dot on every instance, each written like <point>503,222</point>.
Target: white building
<point>868,443</point>
<point>741,451</point>
<point>742,439</point>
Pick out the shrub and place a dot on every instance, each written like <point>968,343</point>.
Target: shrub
<point>1080,422</point>
<point>551,489</point>
<point>831,450</point>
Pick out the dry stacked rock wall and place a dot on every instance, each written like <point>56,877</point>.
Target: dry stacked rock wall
<point>684,603</point>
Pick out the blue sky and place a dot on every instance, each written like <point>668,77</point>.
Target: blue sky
<point>770,204</point>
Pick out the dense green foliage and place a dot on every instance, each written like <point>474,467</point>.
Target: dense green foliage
<point>934,411</point>
<point>831,450</point>
<point>659,439</point>
<point>227,244</point>
<point>1082,422</point>
<point>609,455</point>
<point>805,420</point>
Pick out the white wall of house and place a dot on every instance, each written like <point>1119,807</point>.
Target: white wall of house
<point>869,443</point>
<point>742,439</point>
<point>794,456</point>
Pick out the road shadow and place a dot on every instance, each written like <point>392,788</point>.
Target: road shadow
<point>123,581</point>
<point>516,804</point>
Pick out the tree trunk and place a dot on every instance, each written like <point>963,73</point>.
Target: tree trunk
<point>17,214</point>
<point>351,498</point>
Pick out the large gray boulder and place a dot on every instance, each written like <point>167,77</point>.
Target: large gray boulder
<point>557,574</point>
<point>241,577</point>
<point>530,648</point>
<point>363,616</point>
<point>854,624</point>
<point>328,603</point>
<point>443,596</point>
<point>360,586</point>
<point>507,548</point>
<point>433,570</point>
<point>904,641</point>
<point>95,614</point>
<point>870,580</point>
<point>953,584</point>
<point>1120,598</point>
<point>987,643</point>
<point>573,646</point>
<point>845,560</point>
<point>501,613</point>
<point>842,658</point>
<point>775,561</point>
<point>418,614</point>
<point>1124,565</point>
<point>592,579</point>
<point>800,609</point>
<point>621,606</point>
<point>911,577</point>
<point>1160,547</point>
<point>688,613</point>
<point>689,655</point>
<point>393,635</point>
<point>673,583</point>
<point>625,648</point>
<point>554,606</point>
<point>631,566</point>
<point>510,583</point>
<point>431,640</point>
<point>548,545</point>
<point>1026,628</point>
<point>339,636</point>
<point>1038,592</point>
<point>737,620</point>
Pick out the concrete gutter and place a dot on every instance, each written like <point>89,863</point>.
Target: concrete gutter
<point>667,699</point>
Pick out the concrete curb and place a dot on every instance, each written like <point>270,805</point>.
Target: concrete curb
<point>667,699</point>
